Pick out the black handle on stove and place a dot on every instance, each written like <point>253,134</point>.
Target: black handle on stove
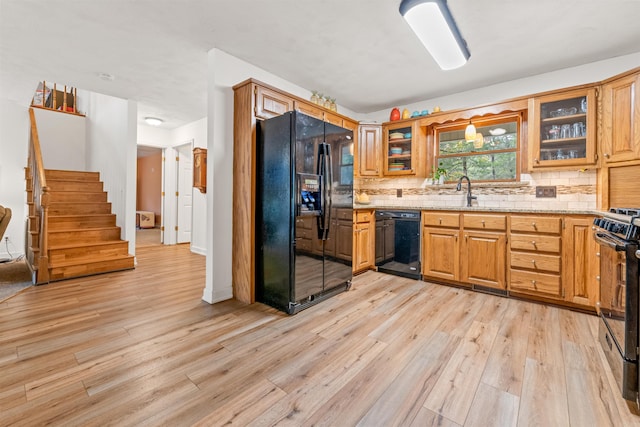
<point>610,241</point>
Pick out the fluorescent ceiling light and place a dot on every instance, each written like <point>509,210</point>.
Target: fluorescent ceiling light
<point>153,121</point>
<point>433,24</point>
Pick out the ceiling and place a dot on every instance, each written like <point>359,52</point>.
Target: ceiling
<point>358,51</point>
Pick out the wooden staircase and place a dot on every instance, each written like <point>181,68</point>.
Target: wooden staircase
<point>81,233</point>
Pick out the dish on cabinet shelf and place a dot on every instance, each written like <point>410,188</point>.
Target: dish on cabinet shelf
<point>396,135</point>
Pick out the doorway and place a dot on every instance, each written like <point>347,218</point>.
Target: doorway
<point>149,187</point>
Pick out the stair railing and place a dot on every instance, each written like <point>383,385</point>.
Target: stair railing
<point>39,196</point>
<point>58,100</point>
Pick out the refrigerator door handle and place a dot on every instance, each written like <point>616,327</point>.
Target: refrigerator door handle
<point>323,189</point>
<point>328,177</point>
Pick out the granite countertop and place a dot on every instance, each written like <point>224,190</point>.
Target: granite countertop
<point>478,209</point>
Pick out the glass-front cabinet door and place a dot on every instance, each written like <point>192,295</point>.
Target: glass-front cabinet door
<point>562,132</point>
<point>398,149</point>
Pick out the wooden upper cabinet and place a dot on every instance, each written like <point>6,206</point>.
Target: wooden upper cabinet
<point>270,103</point>
<point>333,119</point>
<point>309,109</point>
<point>562,131</point>
<point>369,150</point>
<point>621,119</point>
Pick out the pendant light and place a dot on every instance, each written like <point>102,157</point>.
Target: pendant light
<point>470,132</point>
<point>432,22</point>
<point>478,142</point>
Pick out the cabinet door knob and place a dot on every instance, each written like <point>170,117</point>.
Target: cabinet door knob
<point>533,224</point>
<point>440,220</point>
<point>482,222</point>
<point>536,160</point>
<point>598,278</point>
<point>533,282</point>
<point>533,242</point>
<point>533,261</point>
<point>606,155</point>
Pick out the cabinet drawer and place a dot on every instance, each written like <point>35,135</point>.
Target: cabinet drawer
<point>304,222</point>
<point>485,222</point>
<point>303,233</point>
<point>548,285</point>
<point>345,214</point>
<point>303,245</point>
<point>536,224</point>
<point>537,243</point>
<point>435,219</point>
<point>535,261</point>
<point>363,216</point>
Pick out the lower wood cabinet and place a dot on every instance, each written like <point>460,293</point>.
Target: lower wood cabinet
<point>580,262</point>
<point>441,253</point>
<point>535,256</point>
<point>363,228</point>
<point>548,257</point>
<point>483,258</point>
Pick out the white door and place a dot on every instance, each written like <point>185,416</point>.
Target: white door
<point>185,193</point>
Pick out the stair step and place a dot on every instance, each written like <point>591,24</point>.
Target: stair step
<point>105,265</point>
<point>81,236</point>
<point>61,256</point>
<point>65,222</point>
<point>71,175</point>
<point>74,185</point>
<point>77,196</point>
<point>79,208</point>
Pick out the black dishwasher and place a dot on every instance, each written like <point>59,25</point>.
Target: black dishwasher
<point>398,243</point>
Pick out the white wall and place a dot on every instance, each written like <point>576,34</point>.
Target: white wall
<point>62,139</point>
<point>14,146</point>
<point>111,150</point>
<point>574,76</point>
<point>154,136</point>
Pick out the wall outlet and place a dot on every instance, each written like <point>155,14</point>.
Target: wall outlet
<point>399,192</point>
<point>546,191</point>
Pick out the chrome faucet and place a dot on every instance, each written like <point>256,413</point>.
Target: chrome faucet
<point>459,187</point>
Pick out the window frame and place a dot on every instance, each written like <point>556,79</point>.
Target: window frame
<point>492,120</point>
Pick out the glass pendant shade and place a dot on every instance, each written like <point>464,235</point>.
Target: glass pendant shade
<point>470,132</point>
<point>478,142</point>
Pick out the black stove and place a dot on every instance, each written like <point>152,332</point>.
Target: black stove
<point>623,223</point>
<point>618,233</point>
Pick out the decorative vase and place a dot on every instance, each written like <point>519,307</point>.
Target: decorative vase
<point>441,180</point>
<point>314,96</point>
<point>395,115</point>
<point>327,103</point>
<point>334,107</point>
<point>406,114</point>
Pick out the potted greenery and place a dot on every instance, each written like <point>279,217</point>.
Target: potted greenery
<point>438,174</point>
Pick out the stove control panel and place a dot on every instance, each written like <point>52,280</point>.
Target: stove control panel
<point>626,231</point>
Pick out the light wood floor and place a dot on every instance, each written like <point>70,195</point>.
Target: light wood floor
<point>140,348</point>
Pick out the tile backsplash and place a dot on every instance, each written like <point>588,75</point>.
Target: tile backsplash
<point>575,191</point>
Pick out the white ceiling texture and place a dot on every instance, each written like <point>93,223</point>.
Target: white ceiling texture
<point>359,51</point>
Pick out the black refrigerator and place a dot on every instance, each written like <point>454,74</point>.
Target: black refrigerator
<point>304,218</point>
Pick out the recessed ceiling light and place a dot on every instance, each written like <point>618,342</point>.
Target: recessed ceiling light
<point>107,77</point>
<point>153,121</point>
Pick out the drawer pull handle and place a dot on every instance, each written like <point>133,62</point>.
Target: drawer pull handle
<point>533,224</point>
<point>533,282</point>
<point>533,261</point>
<point>440,219</point>
<point>533,242</point>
